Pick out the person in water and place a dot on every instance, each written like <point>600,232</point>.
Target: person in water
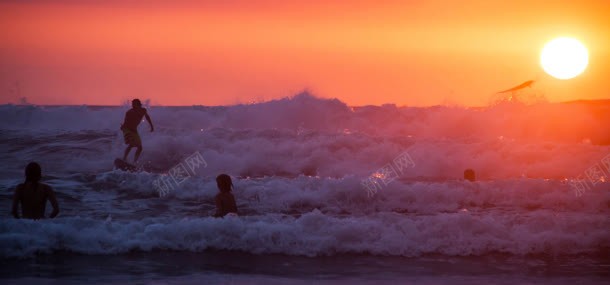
<point>470,175</point>
<point>133,117</point>
<point>225,202</point>
<point>33,195</point>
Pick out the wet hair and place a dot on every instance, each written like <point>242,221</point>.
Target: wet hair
<point>224,183</point>
<point>33,172</point>
<point>135,102</point>
<point>469,175</point>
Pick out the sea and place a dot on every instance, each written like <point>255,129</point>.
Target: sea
<point>327,193</point>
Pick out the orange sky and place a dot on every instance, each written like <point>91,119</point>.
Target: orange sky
<point>225,52</point>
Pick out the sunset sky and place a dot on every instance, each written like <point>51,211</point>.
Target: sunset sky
<point>414,53</point>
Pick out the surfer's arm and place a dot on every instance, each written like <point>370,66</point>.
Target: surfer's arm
<point>15,209</point>
<point>53,201</point>
<point>149,121</point>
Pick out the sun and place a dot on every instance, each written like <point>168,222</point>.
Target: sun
<point>564,58</point>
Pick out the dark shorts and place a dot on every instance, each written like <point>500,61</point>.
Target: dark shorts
<point>131,137</point>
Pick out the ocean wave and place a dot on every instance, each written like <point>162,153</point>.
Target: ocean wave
<point>333,196</point>
<point>316,234</point>
<point>312,136</point>
<point>300,165</point>
<point>570,123</point>
<point>259,153</point>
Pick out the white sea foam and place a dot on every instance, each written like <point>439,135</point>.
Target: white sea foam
<point>315,233</point>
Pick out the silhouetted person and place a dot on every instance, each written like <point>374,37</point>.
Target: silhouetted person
<point>225,202</point>
<point>133,117</point>
<point>33,195</point>
<point>469,175</point>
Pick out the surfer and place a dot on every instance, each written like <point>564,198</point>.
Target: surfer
<point>33,196</point>
<point>225,202</point>
<point>133,117</point>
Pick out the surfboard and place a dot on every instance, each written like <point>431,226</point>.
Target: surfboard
<point>124,165</point>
